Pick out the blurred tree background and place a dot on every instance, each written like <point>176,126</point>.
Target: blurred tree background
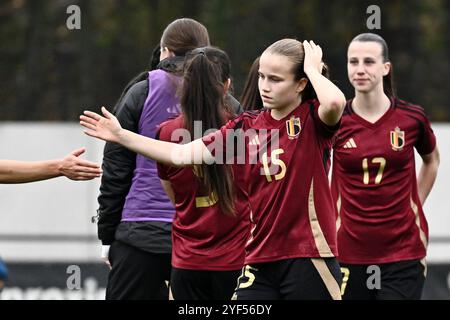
<point>48,72</point>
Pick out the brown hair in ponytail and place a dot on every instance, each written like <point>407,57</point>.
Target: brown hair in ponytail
<point>206,72</point>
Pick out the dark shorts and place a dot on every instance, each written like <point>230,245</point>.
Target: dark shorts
<point>137,274</point>
<point>290,279</point>
<point>401,280</point>
<point>203,284</point>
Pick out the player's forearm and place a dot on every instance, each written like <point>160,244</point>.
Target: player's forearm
<point>161,151</point>
<point>12,171</point>
<point>331,98</point>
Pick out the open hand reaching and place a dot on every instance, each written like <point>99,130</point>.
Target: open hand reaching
<point>106,128</point>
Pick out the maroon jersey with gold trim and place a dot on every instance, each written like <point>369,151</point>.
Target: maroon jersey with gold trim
<point>380,217</point>
<point>292,210</point>
<point>203,238</point>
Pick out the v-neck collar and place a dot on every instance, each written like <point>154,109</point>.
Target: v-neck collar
<point>369,124</point>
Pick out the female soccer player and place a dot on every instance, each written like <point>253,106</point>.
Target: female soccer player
<point>383,232</point>
<point>283,159</point>
<point>208,239</point>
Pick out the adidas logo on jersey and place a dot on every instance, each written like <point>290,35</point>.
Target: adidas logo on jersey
<point>254,141</point>
<point>350,144</point>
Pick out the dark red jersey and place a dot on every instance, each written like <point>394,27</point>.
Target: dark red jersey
<point>284,164</point>
<point>203,238</point>
<point>380,217</point>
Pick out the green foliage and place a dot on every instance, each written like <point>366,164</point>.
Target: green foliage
<point>48,72</point>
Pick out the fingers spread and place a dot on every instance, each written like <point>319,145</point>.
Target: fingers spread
<point>306,45</point>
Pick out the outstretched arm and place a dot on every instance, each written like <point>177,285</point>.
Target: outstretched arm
<point>427,174</point>
<point>332,100</point>
<point>73,167</point>
<point>108,128</point>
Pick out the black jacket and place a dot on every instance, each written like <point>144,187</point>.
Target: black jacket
<point>118,165</point>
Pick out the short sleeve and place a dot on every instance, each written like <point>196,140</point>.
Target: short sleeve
<point>164,134</point>
<point>426,141</point>
<point>217,141</point>
<point>323,129</point>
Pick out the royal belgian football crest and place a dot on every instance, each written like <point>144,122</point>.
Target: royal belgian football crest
<point>293,127</point>
<point>397,139</point>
